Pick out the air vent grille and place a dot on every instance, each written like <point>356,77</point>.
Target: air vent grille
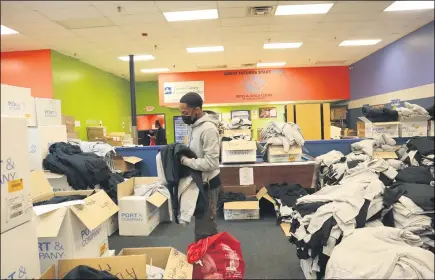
<point>261,11</point>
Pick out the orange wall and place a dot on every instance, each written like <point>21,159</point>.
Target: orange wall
<point>30,69</point>
<point>267,85</point>
<point>145,122</point>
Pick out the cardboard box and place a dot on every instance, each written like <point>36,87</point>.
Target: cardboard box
<point>414,126</point>
<point>368,129</point>
<point>123,267</point>
<point>239,151</point>
<point>16,198</point>
<point>72,135</point>
<point>18,102</point>
<point>58,182</point>
<point>112,224</point>
<point>277,154</point>
<point>170,259</point>
<point>385,155</point>
<point>242,210</point>
<point>96,133</point>
<point>48,111</point>
<point>70,123</point>
<point>50,273</point>
<point>233,132</point>
<point>139,216</point>
<point>125,163</point>
<point>431,128</point>
<point>77,231</point>
<point>19,252</point>
<point>40,139</point>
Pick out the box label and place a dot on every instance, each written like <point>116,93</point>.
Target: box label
<point>51,250</point>
<point>14,106</point>
<point>131,217</point>
<point>15,185</point>
<point>88,236</point>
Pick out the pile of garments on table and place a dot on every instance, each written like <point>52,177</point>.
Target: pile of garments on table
<point>389,203</point>
<point>99,148</point>
<point>380,114</point>
<point>282,134</point>
<point>411,110</point>
<point>239,123</point>
<point>83,170</point>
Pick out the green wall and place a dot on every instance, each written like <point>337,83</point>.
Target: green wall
<point>147,94</point>
<point>90,94</point>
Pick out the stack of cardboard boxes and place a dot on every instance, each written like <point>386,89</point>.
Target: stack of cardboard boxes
<point>70,124</point>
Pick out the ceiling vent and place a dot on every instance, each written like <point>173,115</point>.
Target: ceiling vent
<point>332,62</point>
<point>261,11</point>
<point>209,67</point>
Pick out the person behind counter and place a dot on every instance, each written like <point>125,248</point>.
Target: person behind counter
<point>203,140</point>
<point>160,134</point>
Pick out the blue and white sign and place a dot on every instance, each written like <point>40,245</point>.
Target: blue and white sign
<point>173,91</point>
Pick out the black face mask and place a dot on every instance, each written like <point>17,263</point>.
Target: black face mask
<point>188,120</point>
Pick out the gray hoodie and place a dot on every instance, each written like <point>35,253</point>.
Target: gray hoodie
<point>203,137</point>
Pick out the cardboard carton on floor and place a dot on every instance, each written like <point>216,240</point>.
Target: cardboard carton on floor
<point>123,267</point>
<point>414,126</point>
<point>70,123</point>
<point>77,231</point>
<point>139,216</point>
<point>96,133</point>
<point>242,210</point>
<point>170,259</point>
<point>126,163</point>
<point>368,129</point>
<point>48,111</point>
<point>239,151</point>
<point>112,224</point>
<point>16,196</point>
<point>262,193</point>
<point>277,154</point>
<point>18,102</point>
<point>19,252</point>
<point>40,140</point>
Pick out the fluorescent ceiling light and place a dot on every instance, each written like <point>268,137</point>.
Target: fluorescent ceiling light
<point>410,5</point>
<point>154,70</point>
<point>139,57</point>
<point>7,31</point>
<point>282,45</point>
<point>191,15</point>
<point>348,43</point>
<point>309,9</point>
<point>270,64</point>
<point>205,49</point>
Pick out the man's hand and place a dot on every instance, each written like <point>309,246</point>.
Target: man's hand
<point>182,159</point>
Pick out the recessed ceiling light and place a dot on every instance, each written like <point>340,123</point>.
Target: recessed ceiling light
<point>139,57</point>
<point>191,15</point>
<point>282,45</point>
<point>7,31</point>
<point>154,70</point>
<point>309,9</point>
<point>410,5</point>
<point>205,49</point>
<point>270,64</point>
<point>349,43</point>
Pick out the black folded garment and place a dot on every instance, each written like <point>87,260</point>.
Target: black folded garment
<point>231,196</point>
<point>424,145</point>
<point>86,272</point>
<point>421,194</point>
<point>287,193</point>
<point>380,114</point>
<point>415,174</point>
<point>60,199</point>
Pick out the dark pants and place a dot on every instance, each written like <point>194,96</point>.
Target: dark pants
<point>205,225</point>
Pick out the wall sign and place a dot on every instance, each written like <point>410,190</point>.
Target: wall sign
<point>180,130</point>
<point>173,91</point>
<point>267,113</point>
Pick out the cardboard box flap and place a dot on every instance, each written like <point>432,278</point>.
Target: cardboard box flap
<point>263,194</point>
<point>416,119</point>
<point>157,199</point>
<point>365,120</point>
<point>385,155</point>
<point>126,188</point>
<point>239,145</point>
<point>286,228</point>
<point>132,160</point>
<point>97,209</point>
<point>241,205</point>
<point>50,175</point>
<point>40,185</point>
<point>50,273</point>
<point>158,256</point>
<point>49,224</point>
<point>279,150</point>
<point>123,267</point>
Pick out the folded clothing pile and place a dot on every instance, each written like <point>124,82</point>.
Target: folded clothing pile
<point>380,253</point>
<point>61,199</point>
<point>321,220</point>
<point>418,151</point>
<point>285,196</point>
<point>283,134</point>
<point>239,123</point>
<point>232,196</point>
<point>83,170</point>
<point>147,190</point>
<point>411,110</point>
<point>380,114</point>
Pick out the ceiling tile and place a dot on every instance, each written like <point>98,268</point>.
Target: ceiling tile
<point>175,6</point>
<point>110,8</point>
<point>245,21</point>
<point>16,12</point>
<point>137,19</point>
<point>63,10</point>
<point>232,4</point>
<point>233,12</point>
<point>243,29</point>
<point>359,6</point>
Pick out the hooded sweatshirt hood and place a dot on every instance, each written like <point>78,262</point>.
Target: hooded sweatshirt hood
<point>212,118</point>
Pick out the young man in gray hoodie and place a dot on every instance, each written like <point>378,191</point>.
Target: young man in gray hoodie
<point>203,140</point>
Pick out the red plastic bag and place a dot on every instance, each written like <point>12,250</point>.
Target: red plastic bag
<point>217,257</point>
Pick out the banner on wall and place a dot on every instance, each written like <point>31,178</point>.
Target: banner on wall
<point>173,91</point>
